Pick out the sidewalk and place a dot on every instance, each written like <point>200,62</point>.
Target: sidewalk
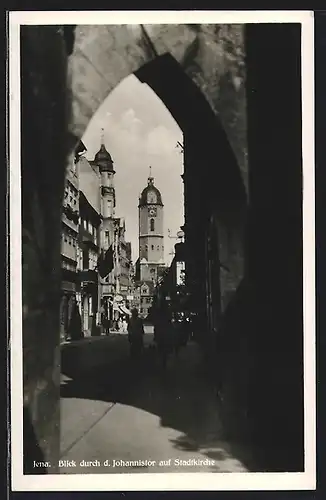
<point>122,414</point>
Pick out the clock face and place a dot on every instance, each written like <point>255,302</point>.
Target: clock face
<point>151,197</point>
<point>152,211</point>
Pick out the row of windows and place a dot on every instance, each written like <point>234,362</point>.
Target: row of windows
<point>67,238</point>
<point>71,194</point>
<point>86,260</point>
<point>88,226</point>
<point>152,248</point>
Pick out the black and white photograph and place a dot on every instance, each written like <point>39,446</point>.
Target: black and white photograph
<point>162,297</point>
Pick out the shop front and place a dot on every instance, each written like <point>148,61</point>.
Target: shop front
<point>89,298</point>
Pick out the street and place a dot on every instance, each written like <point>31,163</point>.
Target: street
<point>119,416</point>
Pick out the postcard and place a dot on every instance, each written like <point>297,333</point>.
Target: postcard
<point>162,273</point>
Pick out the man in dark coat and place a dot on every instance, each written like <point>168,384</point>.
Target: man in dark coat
<point>135,334</point>
<point>75,324</point>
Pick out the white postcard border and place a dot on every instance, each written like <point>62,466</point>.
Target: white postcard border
<point>165,481</point>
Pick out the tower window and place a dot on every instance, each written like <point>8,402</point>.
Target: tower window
<point>152,224</point>
<point>158,247</point>
<point>146,248</point>
<point>152,247</point>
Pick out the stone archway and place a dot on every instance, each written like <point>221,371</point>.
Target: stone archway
<point>55,115</point>
<point>212,56</point>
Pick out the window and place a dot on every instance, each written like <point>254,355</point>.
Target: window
<point>158,247</point>
<point>146,248</point>
<point>85,224</point>
<point>152,223</point>
<point>152,247</point>
<point>90,228</point>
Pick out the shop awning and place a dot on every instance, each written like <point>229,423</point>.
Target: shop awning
<point>124,310</point>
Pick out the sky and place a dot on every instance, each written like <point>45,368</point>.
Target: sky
<point>140,132</point>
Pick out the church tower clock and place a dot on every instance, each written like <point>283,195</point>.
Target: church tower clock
<point>151,233</point>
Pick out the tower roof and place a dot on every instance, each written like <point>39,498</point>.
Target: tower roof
<point>103,158</point>
<point>143,199</point>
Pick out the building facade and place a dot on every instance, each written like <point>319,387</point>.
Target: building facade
<point>89,241</point>
<point>123,260</point>
<point>69,247</point>
<point>109,254</point>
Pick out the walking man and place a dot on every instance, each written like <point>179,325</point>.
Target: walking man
<point>135,334</point>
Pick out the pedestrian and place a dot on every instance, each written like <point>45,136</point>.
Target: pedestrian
<point>104,319</point>
<point>75,324</point>
<point>135,334</point>
<point>124,325</point>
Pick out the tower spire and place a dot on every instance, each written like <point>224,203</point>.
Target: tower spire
<point>150,177</point>
<point>102,136</point>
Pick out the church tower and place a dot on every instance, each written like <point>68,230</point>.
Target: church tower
<point>151,233</point>
<point>104,162</point>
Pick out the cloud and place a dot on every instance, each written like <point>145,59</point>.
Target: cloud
<point>129,122</point>
<point>160,141</point>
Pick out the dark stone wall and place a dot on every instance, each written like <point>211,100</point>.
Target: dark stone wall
<point>262,334</point>
<point>45,111</point>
